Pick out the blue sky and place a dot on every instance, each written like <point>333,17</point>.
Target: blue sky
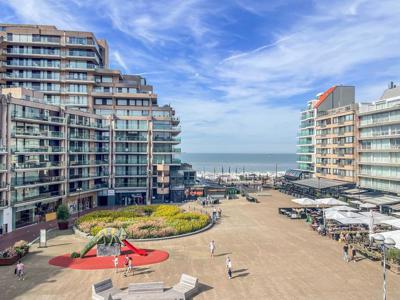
<point>237,72</point>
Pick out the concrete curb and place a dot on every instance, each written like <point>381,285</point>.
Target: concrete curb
<point>211,224</point>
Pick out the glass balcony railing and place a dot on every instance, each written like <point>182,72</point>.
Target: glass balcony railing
<point>131,162</point>
<point>37,133</point>
<point>41,117</point>
<point>87,162</point>
<point>130,150</point>
<point>130,138</point>
<point>47,149</point>
<point>36,165</point>
<point>35,180</point>
<point>15,198</point>
<point>129,184</point>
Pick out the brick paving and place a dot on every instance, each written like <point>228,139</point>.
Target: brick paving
<point>273,257</point>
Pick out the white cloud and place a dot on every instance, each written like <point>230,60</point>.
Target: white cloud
<point>119,59</point>
<point>237,100</point>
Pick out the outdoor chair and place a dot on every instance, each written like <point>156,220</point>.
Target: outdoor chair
<point>104,289</point>
<point>186,288</point>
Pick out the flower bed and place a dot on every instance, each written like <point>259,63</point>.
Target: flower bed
<point>10,255</point>
<point>143,222</point>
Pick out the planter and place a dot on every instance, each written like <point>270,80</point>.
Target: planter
<point>9,261</point>
<point>63,225</point>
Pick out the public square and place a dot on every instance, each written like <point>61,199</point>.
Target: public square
<point>273,257</point>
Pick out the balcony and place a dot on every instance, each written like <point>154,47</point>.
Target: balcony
<point>38,134</point>
<point>163,191</point>
<point>19,182</point>
<point>130,150</point>
<point>131,138</point>
<point>163,179</point>
<point>129,185</point>
<point>87,162</point>
<point>47,149</point>
<point>130,162</point>
<point>36,165</point>
<point>41,197</point>
<point>130,174</point>
<point>38,117</point>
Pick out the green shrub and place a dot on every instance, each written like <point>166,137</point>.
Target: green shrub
<point>166,211</point>
<point>394,255</point>
<point>62,213</point>
<point>96,229</point>
<point>75,255</point>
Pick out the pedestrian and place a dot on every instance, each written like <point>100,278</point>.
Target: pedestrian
<point>116,260</point>
<point>20,270</point>
<point>345,252</point>
<point>130,266</point>
<point>229,267</point>
<point>126,263</point>
<point>353,253</point>
<point>212,248</point>
<point>347,238</point>
<point>219,212</point>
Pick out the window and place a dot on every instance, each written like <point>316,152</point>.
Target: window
<point>122,102</point>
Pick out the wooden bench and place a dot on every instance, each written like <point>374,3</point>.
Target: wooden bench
<point>104,290</point>
<point>187,286</point>
<point>146,288</point>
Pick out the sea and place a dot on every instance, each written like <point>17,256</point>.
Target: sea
<point>240,162</point>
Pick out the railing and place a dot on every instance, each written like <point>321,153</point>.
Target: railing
<point>41,117</point>
<point>55,134</point>
<point>35,165</point>
<point>31,181</point>
<point>87,162</point>
<point>35,197</point>
<point>128,150</point>
<point>130,138</point>
<point>48,149</point>
<point>128,184</point>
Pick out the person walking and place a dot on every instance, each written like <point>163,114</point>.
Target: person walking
<point>345,252</point>
<point>20,270</point>
<point>219,212</point>
<point>126,264</point>
<point>116,261</point>
<point>130,267</point>
<point>229,267</point>
<point>353,253</point>
<point>212,248</point>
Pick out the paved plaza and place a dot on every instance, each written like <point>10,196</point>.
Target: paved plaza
<point>273,257</point>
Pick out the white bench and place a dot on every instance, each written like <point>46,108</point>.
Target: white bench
<point>187,286</point>
<point>146,288</point>
<point>104,290</point>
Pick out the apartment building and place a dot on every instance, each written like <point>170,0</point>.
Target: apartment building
<point>114,131</point>
<point>335,134</point>
<point>379,143</point>
<point>306,139</point>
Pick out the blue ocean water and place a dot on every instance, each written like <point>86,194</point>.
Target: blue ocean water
<point>239,161</point>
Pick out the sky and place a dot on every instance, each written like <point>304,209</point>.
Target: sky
<point>237,72</point>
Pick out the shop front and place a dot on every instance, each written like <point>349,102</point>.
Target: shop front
<point>130,198</point>
<point>80,203</point>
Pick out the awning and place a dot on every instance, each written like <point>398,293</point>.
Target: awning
<point>320,183</point>
<point>340,208</point>
<point>394,223</point>
<point>304,201</point>
<point>330,201</point>
<point>367,205</point>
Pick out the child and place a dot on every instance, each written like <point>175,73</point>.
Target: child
<point>212,248</point>
<point>116,263</point>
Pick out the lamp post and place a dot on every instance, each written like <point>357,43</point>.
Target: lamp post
<point>387,243</point>
<point>79,190</point>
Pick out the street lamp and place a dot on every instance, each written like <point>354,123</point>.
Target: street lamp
<point>387,243</point>
<point>79,190</point>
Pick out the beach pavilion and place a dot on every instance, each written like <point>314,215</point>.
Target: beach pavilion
<point>315,187</point>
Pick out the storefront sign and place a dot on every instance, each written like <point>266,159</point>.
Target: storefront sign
<point>50,216</point>
<point>110,192</point>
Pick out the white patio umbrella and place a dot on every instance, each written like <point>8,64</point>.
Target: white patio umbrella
<point>341,208</point>
<point>330,202</point>
<point>335,215</point>
<point>304,201</point>
<point>394,222</point>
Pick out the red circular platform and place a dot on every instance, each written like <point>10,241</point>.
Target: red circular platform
<point>91,262</point>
